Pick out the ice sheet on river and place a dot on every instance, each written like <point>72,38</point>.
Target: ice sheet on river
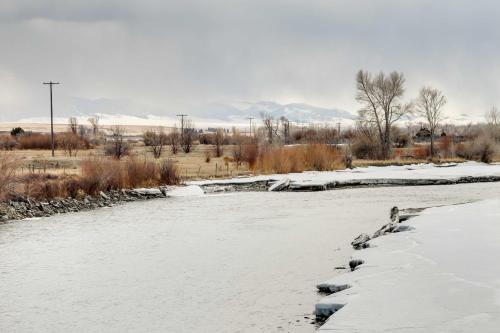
<point>184,191</point>
<point>443,276</point>
<point>374,175</point>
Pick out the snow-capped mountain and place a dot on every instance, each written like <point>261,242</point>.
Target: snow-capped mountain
<point>213,114</point>
<point>295,112</point>
<point>120,112</point>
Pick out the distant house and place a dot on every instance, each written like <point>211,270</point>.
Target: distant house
<point>423,135</point>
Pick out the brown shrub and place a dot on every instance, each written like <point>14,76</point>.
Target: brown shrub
<point>238,155</point>
<point>7,142</point>
<point>321,157</point>
<point>169,174</point>
<point>318,157</point>
<point>421,152</point>
<point>461,150</point>
<point>485,148</point>
<point>100,174</point>
<point>482,149</point>
<point>446,145</point>
<point>8,166</point>
<point>206,139</point>
<point>48,190</point>
<point>72,186</point>
<point>250,154</point>
<point>365,147</point>
<point>141,173</point>
<point>36,141</point>
<point>43,186</point>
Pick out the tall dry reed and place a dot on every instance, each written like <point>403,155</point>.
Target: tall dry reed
<point>318,157</point>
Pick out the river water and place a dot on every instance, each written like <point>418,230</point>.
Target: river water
<point>240,262</point>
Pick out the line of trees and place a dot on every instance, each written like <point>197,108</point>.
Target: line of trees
<point>381,99</point>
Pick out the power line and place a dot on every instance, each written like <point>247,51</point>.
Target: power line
<point>50,83</point>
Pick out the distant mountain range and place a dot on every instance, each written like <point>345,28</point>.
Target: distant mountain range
<point>214,114</point>
<point>119,112</point>
<point>295,112</point>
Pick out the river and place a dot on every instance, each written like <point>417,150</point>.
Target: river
<point>238,262</point>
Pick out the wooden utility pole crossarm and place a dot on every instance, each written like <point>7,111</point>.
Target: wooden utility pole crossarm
<point>50,83</point>
<point>182,123</point>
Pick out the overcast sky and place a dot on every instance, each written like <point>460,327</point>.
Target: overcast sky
<point>164,57</point>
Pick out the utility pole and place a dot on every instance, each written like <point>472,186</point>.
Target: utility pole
<point>250,119</point>
<point>182,124</point>
<point>338,133</point>
<point>50,83</point>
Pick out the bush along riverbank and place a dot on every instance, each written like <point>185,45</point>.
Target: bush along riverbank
<point>21,207</point>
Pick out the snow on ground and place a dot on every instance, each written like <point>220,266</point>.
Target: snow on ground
<point>443,276</point>
<point>147,191</point>
<point>411,172</point>
<point>184,191</point>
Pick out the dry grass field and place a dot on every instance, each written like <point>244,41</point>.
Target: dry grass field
<point>134,130</point>
<point>190,166</point>
<point>201,162</point>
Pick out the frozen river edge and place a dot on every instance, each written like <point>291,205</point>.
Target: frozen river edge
<point>409,175</point>
<point>273,184</point>
<point>435,276</point>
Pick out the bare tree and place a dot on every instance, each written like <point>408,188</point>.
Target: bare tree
<point>188,135</point>
<point>156,140</point>
<point>380,97</point>
<point>493,122</point>
<point>271,127</point>
<point>174,140</point>
<point>82,131</point>
<point>94,122</point>
<point>238,155</point>
<point>73,125</point>
<point>70,142</point>
<point>219,142</point>
<point>493,116</point>
<point>285,128</point>
<point>430,104</point>
<point>117,146</point>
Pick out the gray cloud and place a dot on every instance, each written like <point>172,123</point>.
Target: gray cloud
<point>174,56</point>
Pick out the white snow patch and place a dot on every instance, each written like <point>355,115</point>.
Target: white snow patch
<point>147,191</point>
<point>279,185</point>
<point>449,171</point>
<point>184,191</point>
<point>442,276</point>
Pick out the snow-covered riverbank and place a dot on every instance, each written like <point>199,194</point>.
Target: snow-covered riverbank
<point>417,174</point>
<point>442,276</point>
